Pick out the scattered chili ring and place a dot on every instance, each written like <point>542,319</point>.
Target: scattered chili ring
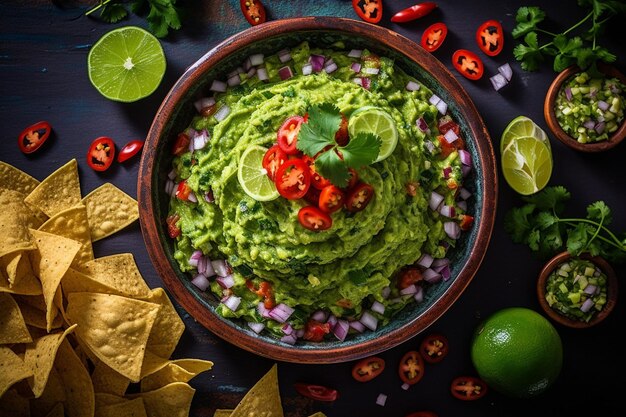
<point>359,197</point>
<point>314,219</point>
<point>34,136</point>
<point>414,12</point>
<point>434,348</point>
<point>411,368</point>
<point>433,36</point>
<point>331,199</point>
<point>316,392</point>
<point>253,11</point>
<point>101,153</point>
<point>368,368</point>
<point>490,37</point>
<point>272,160</point>
<point>369,10</point>
<point>287,136</point>
<point>468,64</point>
<point>468,388</point>
<point>293,179</point>
<point>129,150</point>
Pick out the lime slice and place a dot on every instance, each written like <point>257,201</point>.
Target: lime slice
<point>527,164</point>
<point>253,177</point>
<point>520,127</point>
<point>371,119</point>
<point>126,64</point>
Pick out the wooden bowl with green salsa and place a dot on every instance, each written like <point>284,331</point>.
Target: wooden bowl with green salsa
<point>369,280</point>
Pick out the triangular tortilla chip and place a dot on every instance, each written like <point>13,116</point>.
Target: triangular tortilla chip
<point>24,281</point>
<point>14,405</point>
<point>318,414</point>
<point>16,179</point>
<point>103,399</point>
<point>152,363</point>
<point>173,400</point>
<point>174,371</point>
<point>110,210</point>
<point>222,413</point>
<point>14,221</point>
<point>50,262</point>
<point>75,281</point>
<point>12,326</point>
<point>40,355</point>
<point>58,192</point>
<point>76,382</point>
<point>168,327</point>
<point>12,369</point>
<point>263,398</point>
<point>33,309</point>
<point>114,328</point>
<point>52,394</point>
<point>128,408</point>
<point>72,224</point>
<point>120,272</point>
<point>11,265</point>
<point>57,411</point>
<point>106,380</point>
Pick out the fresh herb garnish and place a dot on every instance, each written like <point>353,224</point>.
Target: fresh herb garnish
<point>539,224</point>
<point>161,15</point>
<point>582,50</point>
<point>318,135</point>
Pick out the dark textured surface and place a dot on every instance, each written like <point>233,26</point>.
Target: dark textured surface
<point>43,50</point>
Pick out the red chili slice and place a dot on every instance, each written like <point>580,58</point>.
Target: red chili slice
<point>34,136</point>
<point>434,348</point>
<point>468,388</point>
<point>414,12</point>
<point>129,150</point>
<point>368,368</point>
<point>317,181</point>
<point>172,228</point>
<point>468,64</point>
<point>293,179</point>
<point>490,37</point>
<point>331,199</point>
<point>101,153</point>
<point>359,197</point>
<point>316,392</point>
<point>433,36</point>
<point>253,11</point>
<point>314,219</point>
<point>288,134</point>
<point>369,10</point>
<point>272,160</point>
<point>411,368</point>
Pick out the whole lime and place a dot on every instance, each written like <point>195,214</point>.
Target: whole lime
<point>517,352</point>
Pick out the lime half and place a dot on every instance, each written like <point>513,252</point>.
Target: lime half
<point>374,120</point>
<point>253,177</point>
<point>520,127</point>
<point>527,164</point>
<point>126,64</point>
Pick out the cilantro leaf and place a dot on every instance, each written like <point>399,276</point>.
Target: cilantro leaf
<point>577,239</point>
<point>113,12</point>
<point>550,198</point>
<point>517,223</point>
<point>529,55</point>
<point>162,16</point>
<point>310,142</point>
<point>527,19</point>
<point>320,129</point>
<point>546,219</point>
<point>599,212</point>
<point>361,150</point>
<point>333,168</point>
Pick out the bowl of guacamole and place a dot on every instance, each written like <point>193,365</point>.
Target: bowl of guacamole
<point>317,190</point>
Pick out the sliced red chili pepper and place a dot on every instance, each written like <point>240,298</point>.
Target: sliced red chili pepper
<point>411,368</point>
<point>466,222</point>
<point>341,136</point>
<point>183,191</point>
<point>409,277</point>
<point>368,368</point>
<point>34,136</point>
<point>181,145</point>
<point>433,36</point>
<point>253,11</point>
<point>434,348</point>
<point>490,37</point>
<point>314,331</point>
<point>293,179</point>
<point>317,180</point>
<point>414,12</point>
<point>331,199</point>
<point>273,159</point>
<point>172,228</point>
<point>101,153</point>
<point>369,10</point>
<point>359,197</point>
<point>314,219</point>
<point>129,150</point>
<point>468,64</point>
<point>422,414</point>
<point>316,392</point>
<point>313,196</point>
<point>287,136</point>
<point>354,179</point>
<point>468,388</point>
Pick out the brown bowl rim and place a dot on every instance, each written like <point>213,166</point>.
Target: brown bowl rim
<point>612,290</point>
<point>553,123</point>
<point>392,41</point>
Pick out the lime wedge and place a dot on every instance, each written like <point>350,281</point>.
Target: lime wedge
<point>253,177</point>
<point>520,127</point>
<point>371,119</point>
<point>126,64</point>
<point>527,164</point>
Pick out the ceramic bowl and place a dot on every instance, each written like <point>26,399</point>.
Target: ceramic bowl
<point>612,289</point>
<point>553,123</point>
<point>176,113</point>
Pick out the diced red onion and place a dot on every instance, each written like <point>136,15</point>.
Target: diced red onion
<point>450,136</point>
<point>256,327</point>
<point>498,81</point>
<point>220,267</point>
<point>251,72</point>
<point>440,262</point>
<point>589,124</point>
<point>615,89</point>
<point>201,282</point>
<point>201,265</point>
<point>287,329</point>
<point>284,55</point>
<point>203,103</point>
<point>464,194</point>
<point>172,174</point>
<point>381,400</point>
<point>319,315</point>
<point>385,292</point>
<point>332,320</point>
<point>462,205</point>
<point>218,86</point>
<point>366,83</point>
<point>422,125</point>
<point>192,197</point>
<point>405,386</point>
<point>435,200</point>
<point>234,80</point>
<point>355,53</point>
<point>285,73</point>
<point>341,330</point>
<point>434,99</point>
<point>431,276</point>
<point>587,305</point>
<point>600,119</point>
<point>452,229</point>
<point>247,64</point>
<point>425,260</point>
<point>263,311</point>
<point>590,289</point>
<point>317,62</point>
<point>299,333</point>
<point>371,71</point>
<point>290,339</point>
<point>378,307</point>
<point>506,71</point>
<point>446,172</point>
<point>256,59</point>
<point>356,67</point>
<point>412,86</point>
<point>603,105</point>
<point>447,211</point>
<point>593,92</point>
<point>209,271</point>
<point>261,73</point>
<point>208,197</point>
<point>190,132</point>
<point>222,113</point>
<point>330,68</point>
<point>464,156</point>
<point>358,81</point>
<point>429,145</point>
<point>232,302</point>
<point>200,140</point>
<point>599,128</point>
<point>442,107</point>
<point>411,289</point>
<point>419,295</point>
<point>465,170</point>
<point>281,312</point>
<point>169,187</point>
<point>328,62</point>
<point>191,147</point>
<point>568,93</point>
<point>307,69</point>
<point>369,320</point>
<point>357,325</point>
<point>195,257</point>
<point>226,282</point>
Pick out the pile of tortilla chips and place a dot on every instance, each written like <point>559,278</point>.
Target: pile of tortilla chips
<point>75,331</point>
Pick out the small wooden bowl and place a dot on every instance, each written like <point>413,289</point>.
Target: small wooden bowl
<point>553,123</point>
<point>611,291</point>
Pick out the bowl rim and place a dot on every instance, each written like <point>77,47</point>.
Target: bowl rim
<point>400,45</point>
<point>550,115</point>
<point>611,296</point>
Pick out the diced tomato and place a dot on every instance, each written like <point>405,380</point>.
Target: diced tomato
<point>341,136</point>
<point>287,136</point>
<point>468,388</point>
<point>183,191</point>
<point>293,179</point>
<point>434,36</point>
<point>101,153</point>
<point>468,64</point>
<point>265,291</point>
<point>314,219</point>
<point>466,222</point>
<point>34,136</point>
<point>434,348</point>
<point>272,160</point>
<point>369,10</point>
<point>316,392</point>
<point>409,277</point>
<point>359,197</point>
<point>411,368</point>
<point>314,331</point>
<point>181,145</point>
<point>172,228</point>
<point>447,148</point>
<point>490,37</point>
<point>368,368</point>
<point>446,123</point>
<point>253,11</point>
<point>331,199</point>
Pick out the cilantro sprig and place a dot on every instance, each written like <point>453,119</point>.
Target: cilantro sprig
<point>582,49</point>
<point>540,224</point>
<point>162,15</point>
<point>318,135</point>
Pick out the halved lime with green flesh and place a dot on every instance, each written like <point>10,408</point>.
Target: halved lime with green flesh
<point>126,64</point>
<point>253,177</point>
<point>527,164</point>
<point>521,127</point>
<point>371,119</point>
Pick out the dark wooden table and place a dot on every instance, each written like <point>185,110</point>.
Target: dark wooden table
<point>43,76</point>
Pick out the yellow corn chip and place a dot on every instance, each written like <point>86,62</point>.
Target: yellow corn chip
<point>13,404</point>
<point>175,371</point>
<point>72,224</point>
<point>128,408</point>
<point>152,363</point>
<point>57,411</point>
<point>16,179</point>
<point>222,413</point>
<point>106,380</point>
<point>75,281</point>
<point>50,262</point>
<point>263,398</point>
<point>109,210</point>
<point>114,328</point>
<point>12,369</point>
<point>40,355</point>
<point>119,272</point>
<point>14,221</point>
<point>52,394</point>
<point>104,399</point>
<point>318,414</point>
<point>33,309</point>
<point>12,326</point>
<point>16,275</point>
<point>76,382</point>
<point>58,192</point>
<point>173,400</point>
<point>168,327</point>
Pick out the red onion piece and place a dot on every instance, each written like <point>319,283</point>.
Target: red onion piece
<point>587,305</point>
<point>599,128</point>
<point>299,333</point>
<point>256,59</point>
<point>369,320</point>
<point>261,73</point>
<point>226,282</point>
<point>203,103</point>
<point>411,289</point>
<point>332,320</point>
<point>465,156</point>
<point>603,105</point>
<point>464,194</point>
<point>222,113</point>
<point>434,99</point>
<point>169,186</point>
<point>355,53</point>
<point>465,170</point>
<point>209,270</point>
<point>172,174</point>
<point>568,94</point>
<point>202,265</point>
<point>356,67</point>
<point>462,205</point>
<point>381,400</point>
<point>251,72</point>
<point>405,386</point>
<point>447,211</point>
<point>498,81</point>
<point>593,92</point>
<point>287,329</point>
<point>220,267</point>
<point>330,68</point>
<point>590,289</point>
<point>446,172</point>
<point>371,71</point>
<point>419,295</point>
<point>234,80</point>
<point>256,327</point>
<point>290,339</point>
<point>366,83</point>
<point>317,62</point>
<point>200,140</point>
<point>341,330</point>
<point>319,315</point>
<point>281,312</point>
<point>247,64</point>
<point>195,257</point>
<point>442,107</point>
<point>422,125</point>
<point>429,145</point>
<point>284,55</point>
<point>440,262</point>
<point>378,307</point>
<point>208,197</point>
<point>431,276</point>
<point>425,260</point>
<point>452,229</point>
<point>357,325</point>
<point>307,69</point>
<point>412,86</point>
<point>218,86</point>
<point>435,200</point>
<point>285,73</point>
<point>445,273</point>
<point>192,197</point>
<point>385,292</point>
<point>232,302</point>
<point>589,124</point>
<point>358,81</point>
<point>262,310</point>
<point>450,136</point>
<point>506,71</point>
<point>201,282</point>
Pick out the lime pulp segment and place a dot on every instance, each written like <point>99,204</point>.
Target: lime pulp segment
<point>520,127</point>
<point>253,177</point>
<point>376,121</point>
<point>527,165</point>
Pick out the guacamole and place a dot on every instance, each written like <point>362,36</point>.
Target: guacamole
<point>342,271</point>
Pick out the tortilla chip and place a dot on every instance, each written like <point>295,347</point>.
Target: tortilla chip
<point>152,363</point>
<point>106,380</point>
<point>15,179</point>
<point>14,221</point>
<point>24,281</point>
<point>119,272</point>
<point>40,355</point>
<point>33,308</point>
<point>263,399</point>
<point>168,327</point>
<point>75,281</point>
<point>11,265</point>
<point>36,217</point>
<point>12,326</point>
<point>50,262</point>
<point>114,328</point>
<point>175,371</point>
<point>72,224</point>
<point>58,192</point>
<point>52,394</point>
<point>57,411</point>
<point>12,369</point>
<point>109,210</point>
<point>222,413</point>
<point>318,414</point>
<point>129,408</point>
<point>76,382</point>
<point>173,400</point>
<point>14,405</point>
<point>104,399</point>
